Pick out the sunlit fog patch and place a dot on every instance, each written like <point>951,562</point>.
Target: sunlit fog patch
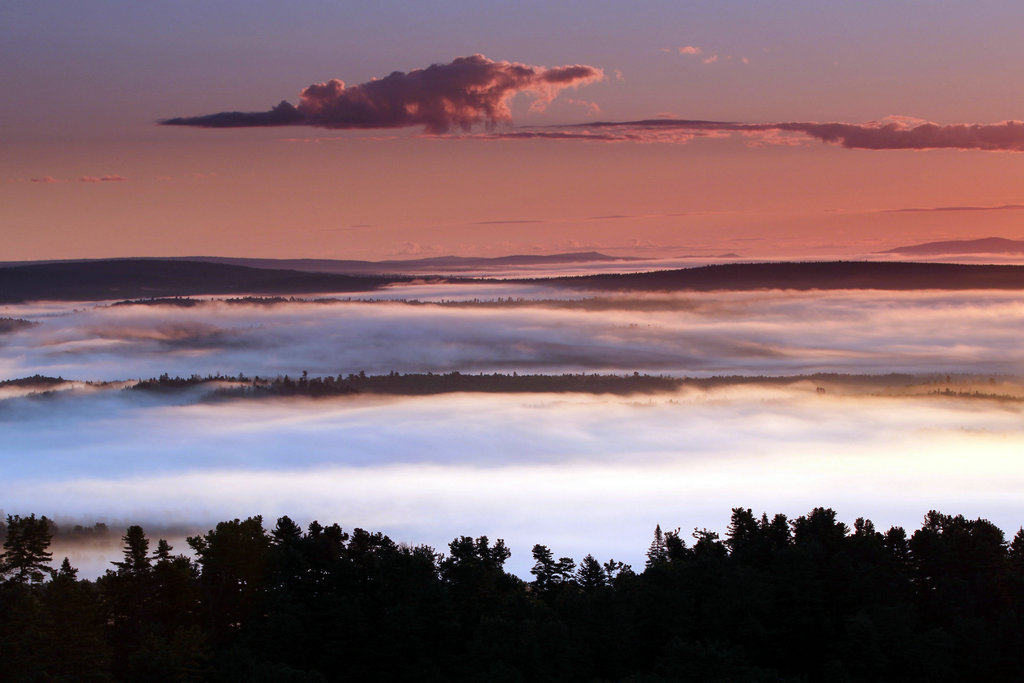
<point>606,508</point>
<point>116,434</point>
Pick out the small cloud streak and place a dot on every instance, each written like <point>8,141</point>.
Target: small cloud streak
<point>102,179</point>
<point>44,179</point>
<point>458,95</point>
<point>942,209</point>
<point>690,50</point>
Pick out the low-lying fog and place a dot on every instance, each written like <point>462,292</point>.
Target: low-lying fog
<point>579,473</point>
<point>693,334</point>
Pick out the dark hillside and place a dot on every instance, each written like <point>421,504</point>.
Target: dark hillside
<point>130,278</point>
<point>807,276</point>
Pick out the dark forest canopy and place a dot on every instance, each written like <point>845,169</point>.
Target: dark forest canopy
<point>417,384</point>
<point>218,387</point>
<point>412,384</point>
<point>775,599</point>
<point>14,324</point>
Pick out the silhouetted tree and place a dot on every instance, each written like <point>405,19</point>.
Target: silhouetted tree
<point>71,640</point>
<point>234,559</point>
<point>657,553</point>
<point>591,576</point>
<point>163,551</point>
<point>136,561</point>
<point>26,557</point>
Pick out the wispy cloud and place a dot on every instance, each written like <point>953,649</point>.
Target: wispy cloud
<point>458,95</point>
<point>704,56</point>
<point>1003,207</point>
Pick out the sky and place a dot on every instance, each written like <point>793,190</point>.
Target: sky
<point>819,123</point>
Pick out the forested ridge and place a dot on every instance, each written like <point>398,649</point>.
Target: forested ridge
<point>424,383</point>
<point>807,599</point>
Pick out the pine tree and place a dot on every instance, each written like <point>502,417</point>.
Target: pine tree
<point>657,553</point>
<point>590,576</point>
<point>543,567</point>
<point>136,553</point>
<point>26,558</point>
<point>163,551</point>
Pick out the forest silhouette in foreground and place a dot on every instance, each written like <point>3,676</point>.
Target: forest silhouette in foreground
<point>806,599</point>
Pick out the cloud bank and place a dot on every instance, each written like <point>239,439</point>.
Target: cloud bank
<point>458,95</point>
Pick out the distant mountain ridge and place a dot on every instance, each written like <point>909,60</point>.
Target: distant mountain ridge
<point>985,245</point>
<point>156,278</point>
<point>432,265</point>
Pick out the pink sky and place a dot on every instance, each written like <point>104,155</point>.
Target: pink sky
<point>485,157</point>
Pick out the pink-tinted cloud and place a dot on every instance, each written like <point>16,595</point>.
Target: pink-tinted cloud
<point>44,179</point>
<point>690,50</point>
<point>102,179</point>
<point>592,107</point>
<point>466,92</point>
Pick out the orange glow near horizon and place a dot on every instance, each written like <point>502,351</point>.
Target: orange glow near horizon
<point>254,194</point>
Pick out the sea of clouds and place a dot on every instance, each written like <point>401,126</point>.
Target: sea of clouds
<point>580,473</point>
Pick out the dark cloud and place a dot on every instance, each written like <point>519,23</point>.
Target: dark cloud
<point>1005,136</point>
<point>468,91</point>
<point>895,133</point>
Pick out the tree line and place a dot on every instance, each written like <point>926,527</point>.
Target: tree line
<point>425,383</point>
<point>775,599</point>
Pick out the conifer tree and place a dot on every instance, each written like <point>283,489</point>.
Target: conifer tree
<point>136,552</point>
<point>590,576</point>
<point>25,558</point>
<point>657,553</point>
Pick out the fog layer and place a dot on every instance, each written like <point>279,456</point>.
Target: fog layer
<point>580,473</point>
<point>701,334</point>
